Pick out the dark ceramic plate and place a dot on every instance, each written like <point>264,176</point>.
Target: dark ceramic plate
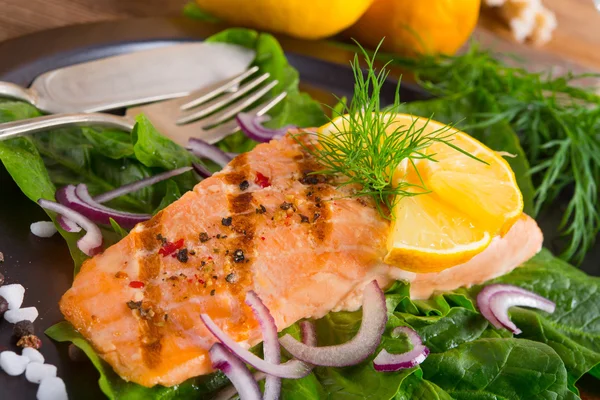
<point>44,266</point>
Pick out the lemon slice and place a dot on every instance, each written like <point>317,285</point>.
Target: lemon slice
<point>467,204</point>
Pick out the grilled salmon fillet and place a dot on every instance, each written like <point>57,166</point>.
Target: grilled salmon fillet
<point>266,224</point>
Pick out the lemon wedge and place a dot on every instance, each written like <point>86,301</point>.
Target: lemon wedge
<point>465,205</point>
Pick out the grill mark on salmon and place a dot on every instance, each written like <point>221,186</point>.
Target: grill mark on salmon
<point>315,193</point>
<point>239,170</point>
<point>241,246</point>
<point>150,328</point>
<point>240,203</point>
<point>149,270</point>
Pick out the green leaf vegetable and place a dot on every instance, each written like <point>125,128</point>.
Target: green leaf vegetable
<point>555,120</point>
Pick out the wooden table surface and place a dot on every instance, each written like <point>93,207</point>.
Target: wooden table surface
<point>576,43</point>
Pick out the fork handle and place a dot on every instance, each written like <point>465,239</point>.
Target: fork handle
<point>17,92</point>
<point>23,127</point>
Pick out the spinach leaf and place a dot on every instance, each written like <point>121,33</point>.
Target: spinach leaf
<point>172,194</point>
<point>499,369</point>
<point>118,229</point>
<point>24,163</point>
<point>69,159</point>
<point>109,142</point>
<point>415,387</point>
<point>16,110</point>
<point>155,150</point>
<point>300,110</point>
<point>499,137</point>
<point>444,333</point>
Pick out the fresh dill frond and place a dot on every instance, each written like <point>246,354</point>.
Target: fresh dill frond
<point>556,120</point>
<point>366,143</point>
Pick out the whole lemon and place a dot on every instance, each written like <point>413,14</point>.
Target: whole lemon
<point>307,19</point>
<point>417,26</point>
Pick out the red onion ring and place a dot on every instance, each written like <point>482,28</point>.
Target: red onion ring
<point>293,369</point>
<point>271,348</point>
<point>68,225</point>
<point>252,127</point>
<point>137,185</point>
<point>359,347</point>
<point>229,391</point>
<point>91,242</point>
<point>308,333</point>
<point>386,362</point>
<point>495,300</point>
<point>236,371</point>
<point>79,199</point>
<point>202,149</point>
<point>201,170</point>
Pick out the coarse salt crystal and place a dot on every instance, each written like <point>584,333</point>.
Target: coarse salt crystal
<point>12,363</point>
<point>43,229</point>
<point>22,314</point>
<point>13,294</point>
<point>33,355</point>
<point>36,372</point>
<point>52,389</point>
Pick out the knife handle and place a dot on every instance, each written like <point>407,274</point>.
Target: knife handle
<point>17,92</point>
<point>23,127</point>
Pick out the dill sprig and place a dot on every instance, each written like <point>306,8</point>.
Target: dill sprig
<point>557,122</point>
<point>367,145</point>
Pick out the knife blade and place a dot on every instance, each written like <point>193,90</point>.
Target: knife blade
<point>134,78</point>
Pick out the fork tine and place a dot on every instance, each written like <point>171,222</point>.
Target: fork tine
<point>218,90</point>
<point>223,101</point>
<point>265,107</point>
<point>239,106</point>
<point>217,133</point>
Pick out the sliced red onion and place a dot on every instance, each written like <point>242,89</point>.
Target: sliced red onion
<point>387,362</point>
<point>308,333</point>
<point>252,127</point>
<point>292,369</point>
<point>91,242</point>
<point>201,170</point>
<point>229,391</point>
<point>137,185</point>
<point>495,300</point>
<point>359,347</point>
<point>202,149</point>
<point>502,301</point>
<point>271,348</point>
<point>68,225</point>
<point>79,199</point>
<point>236,371</point>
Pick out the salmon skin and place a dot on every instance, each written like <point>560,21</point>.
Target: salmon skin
<point>264,223</point>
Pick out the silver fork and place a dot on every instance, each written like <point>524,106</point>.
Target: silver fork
<point>206,114</point>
